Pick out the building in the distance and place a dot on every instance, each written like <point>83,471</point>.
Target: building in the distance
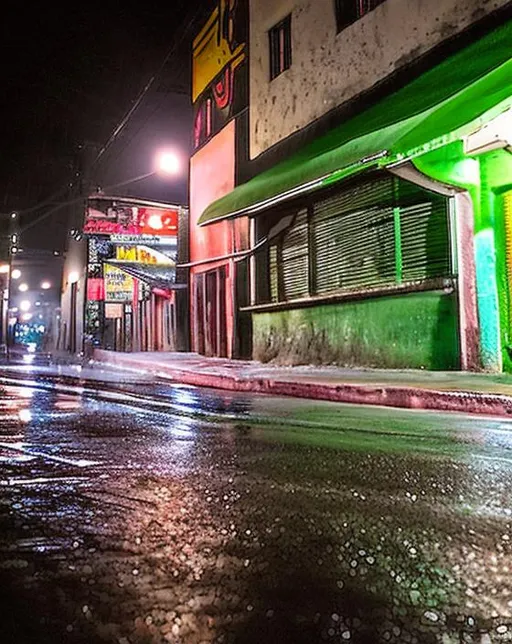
<point>33,313</point>
<point>124,296</point>
<point>378,188</point>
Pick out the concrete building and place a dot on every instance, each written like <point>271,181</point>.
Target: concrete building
<point>218,253</point>
<point>378,183</point>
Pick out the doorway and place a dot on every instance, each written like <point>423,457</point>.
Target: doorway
<point>210,313</point>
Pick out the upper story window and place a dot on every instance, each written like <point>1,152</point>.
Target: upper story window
<point>348,11</point>
<point>280,39</point>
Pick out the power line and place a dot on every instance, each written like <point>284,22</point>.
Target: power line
<point>148,86</point>
<point>82,199</point>
<point>183,32</point>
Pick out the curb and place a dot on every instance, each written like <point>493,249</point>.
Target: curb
<point>467,402</point>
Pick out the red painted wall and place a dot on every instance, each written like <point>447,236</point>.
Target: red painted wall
<point>212,175</point>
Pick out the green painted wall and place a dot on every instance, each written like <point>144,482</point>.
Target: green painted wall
<point>417,330</point>
<point>484,176</point>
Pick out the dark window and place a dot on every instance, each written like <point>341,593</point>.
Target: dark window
<point>280,39</point>
<point>348,11</point>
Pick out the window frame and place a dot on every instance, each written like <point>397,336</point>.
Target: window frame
<point>360,9</point>
<point>280,47</point>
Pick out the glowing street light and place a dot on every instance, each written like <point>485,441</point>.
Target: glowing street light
<point>25,305</point>
<point>73,277</point>
<point>165,163</point>
<point>168,163</point>
<point>23,287</point>
<point>45,285</point>
<point>16,274</point>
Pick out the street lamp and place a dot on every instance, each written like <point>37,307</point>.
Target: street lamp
<point>167,163</point>
<point>25,305</point>
<point>45,285</point>
<point>23,287</point>
<point>16,274</point>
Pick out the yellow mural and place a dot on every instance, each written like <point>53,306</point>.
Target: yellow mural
<point>214,49</point>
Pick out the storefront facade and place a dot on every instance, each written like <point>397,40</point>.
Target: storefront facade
<point>393,249</point>
<point>131,284</point>
<point>220,97</point>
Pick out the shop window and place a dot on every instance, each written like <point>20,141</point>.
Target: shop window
<point>280,41</point>
<point>375,235</point>
<point>348,11</point>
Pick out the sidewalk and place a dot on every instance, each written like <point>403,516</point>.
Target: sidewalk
<point>441,390</point>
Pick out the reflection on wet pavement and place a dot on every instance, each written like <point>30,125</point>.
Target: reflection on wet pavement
<point>134,510</point>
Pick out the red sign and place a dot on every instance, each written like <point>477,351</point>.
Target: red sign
<point>95,289</point>
<point>106,217</point>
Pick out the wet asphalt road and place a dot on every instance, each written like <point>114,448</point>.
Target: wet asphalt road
<point>134,510</point>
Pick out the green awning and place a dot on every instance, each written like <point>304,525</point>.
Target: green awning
<point>439,106</point>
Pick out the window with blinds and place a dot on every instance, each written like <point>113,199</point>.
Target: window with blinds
<point>383,232</point>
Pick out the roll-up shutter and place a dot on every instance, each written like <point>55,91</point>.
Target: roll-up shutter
<point>294,259</point>
<point>273,273</point>
<point>425,240</point>
<point>381,232</point>
<point>353,250</point>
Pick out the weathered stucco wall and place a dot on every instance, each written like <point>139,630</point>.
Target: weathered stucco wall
<point>412,331</point>
<point>329,68</point>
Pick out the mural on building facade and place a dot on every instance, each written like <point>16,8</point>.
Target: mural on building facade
<point>219,83</point>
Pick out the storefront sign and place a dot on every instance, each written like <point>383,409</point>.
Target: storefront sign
<point>113,311</point>
<point>142,255</point>
<point>118,284</point>
<point>113,217</point>
<point>151,240</point>
<point>95,289</point>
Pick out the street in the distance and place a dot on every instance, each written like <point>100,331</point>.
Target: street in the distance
<point>137,510</point>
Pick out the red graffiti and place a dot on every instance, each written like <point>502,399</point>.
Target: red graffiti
<point>223,89</point>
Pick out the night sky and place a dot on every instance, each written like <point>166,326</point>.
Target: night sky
<point>68,77</point>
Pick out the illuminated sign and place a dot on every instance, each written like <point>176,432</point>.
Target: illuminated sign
<point>107,217</point>
<point>142,255</point>
<point>118,284</point>
<point>146,239</point>
<point>95,289</point>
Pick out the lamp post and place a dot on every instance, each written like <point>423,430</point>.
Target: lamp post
<point>4,302</point>
<point>73,278</point>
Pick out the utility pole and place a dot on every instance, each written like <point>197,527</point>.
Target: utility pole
<point>9,240</point>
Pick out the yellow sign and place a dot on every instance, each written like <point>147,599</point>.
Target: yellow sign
<point>118,284</point>
<point>142,255</point>
<point>214,50</point>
